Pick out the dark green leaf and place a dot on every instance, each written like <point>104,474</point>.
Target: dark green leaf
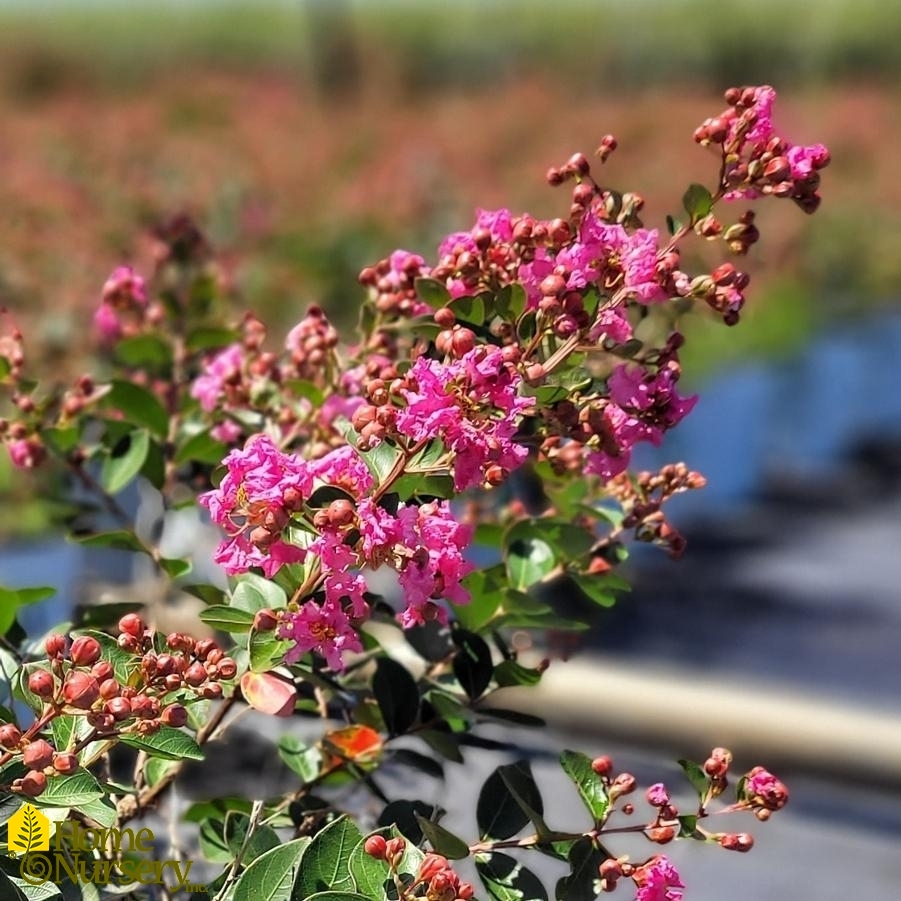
<point>174,567</point>
<point>498,814</point>
<point>266,650</point>
<point>209,594</point>
<point>444,743</point>
<point>688,828</point>
<point>61,440</point>
<point>516,717</point>
<point>168,743</point>
<point>8,889</point>
<point>102,615</point>
<point>273,875</point>
<point>337,896</point>
<point>521,784</point>
<point>590,785</point>
<point>137,405</point>
<point>472,664</point>
<point>442,841</point>
<point>397,695</point>
<point>582,884</point>
<point>697,202</point>
<point>484,586</point>
<point>595,589</point>
<point>325,862</point>
<point>506,879</point>
<point>210,338</point>
<point>468,310</point>
<point>422,762</point>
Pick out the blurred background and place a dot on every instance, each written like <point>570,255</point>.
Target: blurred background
<point>310,138</point>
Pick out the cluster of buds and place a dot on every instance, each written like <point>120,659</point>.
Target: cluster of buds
<point>723,291</point>
<point>435,879</point>
<point>123,305</point>
<point>763,792</point>
<point>756,160</point>
<point>311,346</point>
<point>392,284</point>
<point>78,682</point>
<point>642,495</point>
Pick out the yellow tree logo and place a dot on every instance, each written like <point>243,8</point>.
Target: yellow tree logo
<point>29,830</point>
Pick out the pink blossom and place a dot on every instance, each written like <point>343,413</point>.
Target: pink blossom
<point>498,222</point>
<point>325,629</point>
<point>124,288</point>
<point>26,453</point>
<point>611,323</point>
<point>344,468</point>
<point>657,795</point>
<point>107,325</point>
<point>209,387</point>
<point>762,129</point>
<point>652,398</point>
<point>763,787</point>
<point>658,880</point>
<point>436,566</point>
<point>805,160</point>
<point>473,406</point>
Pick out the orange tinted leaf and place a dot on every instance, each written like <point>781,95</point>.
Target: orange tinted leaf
<point>269,693</point>
<point>360,744</point>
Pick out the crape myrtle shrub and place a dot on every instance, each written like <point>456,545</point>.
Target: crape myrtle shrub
<point>491,400</point>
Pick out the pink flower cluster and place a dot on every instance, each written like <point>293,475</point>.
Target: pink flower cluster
<point>658,880</point>
<point>265,491</point>
<point>765,790</point>
<point>123,300</point>
<point>642,406</point>
<point>473,406</point>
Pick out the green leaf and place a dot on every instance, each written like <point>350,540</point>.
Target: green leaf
<point>304,760</point>
<point>510,301</point>
<point>484,586</point>
<point>210,338</point>
<point>325,860</point>
<point>13,599</point>
<point>124,461</point>
<point>529,557</point>
<point>583,882</point>
<point>370,875</point>
<point>472,664</point>
<point>595,589</point>
<point>381,460</point>
<point>209,594</point>
<point>337,896</point>
<point>227,619</point>
<point>498,814</point>
<point>432,292</point>
<point>509,672</point>
<point>124,663</point>
<point>101,811</point>
<point>442,841</point>
<point>397,695</point>
<point>697,202</point>
<point>688,828</point>
<point>168,743</point>
<point>468,310</point>
<point>144,350</point>
<point>517,717</point>
<point>8,889</point>
<point>590,785</point>
<point>70,791</point>
<point>117,539</point>
<point>521,784</point>
<point>696,776</point>
<point>174,567</point>
<point>266,650</point>
<point>444,743</point>
<point>101,615</point>
<point>272,876</point>
<point>137,405</point>
<point>202,448</point>
<point>506,879</point>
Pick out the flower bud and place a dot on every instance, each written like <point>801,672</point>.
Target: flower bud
<point>65,763</point>
<point>431,866</point>
<point>55,646</point>
<point>38,754</point>
<point>109,688</point>
<point>132,624</point>
<point>118,708</point>
<point>175,715</point>
<point>41,683</point>
<point>10,736</point>
<point>102,671</point>
<point>263,621</point>
<point>375,846</point>
<point>661,834</point>
<point>226,668</point>
<point>33,783</point>
<point>394,851</point>
<point>603,766</point>
<point>85,651</point>
<point>445,317</point>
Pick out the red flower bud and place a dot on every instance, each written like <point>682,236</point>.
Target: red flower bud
<point>603,766</point>
<point>375,846</point>
<point>85,651</point>
<point>41,683</point>
<point>118,708</point>
<point>10,736</point>
<point>55,645</point>
<point>265,620</point>
<point>102,671</point>
<point>132,624</point>
<point>431,866</point>
<point>195,674</point>
<point>175,715</point>
<point>109,689</point>
<point>80,690</point>
<point>226,668</point>
<point>65,763</point>
<point>33,783</point>
<point>38,754</point>
<point>394,851</point>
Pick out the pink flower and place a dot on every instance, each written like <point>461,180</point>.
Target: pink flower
<point>124,289</point>
<point>473,406</point>
<point>763,788</point>
<point>657,795</point>
<point>325,629</point>
<point>805,160</point>
<point>343,468</point>
<point>209,387</point>
<point>658,880</point>
<point>26,453</point>
<point>107,325</point>
<point>436,566</point>
<point>762,129</point>
<point>611,323</point>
